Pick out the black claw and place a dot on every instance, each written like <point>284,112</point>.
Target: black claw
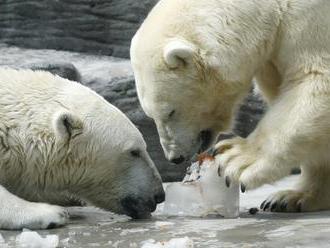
<point>210,151</point>
<point>273,206</point>
<point>51,225</point>
<point>219,171</point>
<point>263,204</point>
<point>266,206</point>
<point>253,211</point>
<point>243,188</point>
<point>299,207</point>
<point>228,181</point>
<point>215,152</point>
<point>283,206</point>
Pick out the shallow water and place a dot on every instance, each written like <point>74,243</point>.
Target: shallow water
<point>90,227</point>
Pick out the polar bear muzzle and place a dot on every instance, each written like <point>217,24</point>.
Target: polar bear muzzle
<point>142,200</point>
<point>137,208</point>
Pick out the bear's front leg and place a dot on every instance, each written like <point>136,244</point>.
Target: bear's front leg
<point>16,213</point>
<point>294,130</point>
<point>310,194</point>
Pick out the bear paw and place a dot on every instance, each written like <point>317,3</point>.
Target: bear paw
<point>45,216</point>
<point>290,201</point>
<point>238,162</point>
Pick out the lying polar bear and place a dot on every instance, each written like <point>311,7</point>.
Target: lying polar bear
<point>201,57</point>
<point>61,142</point>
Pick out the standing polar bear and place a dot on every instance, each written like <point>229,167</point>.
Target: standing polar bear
<point>61,142</point>
<point>194,62</point>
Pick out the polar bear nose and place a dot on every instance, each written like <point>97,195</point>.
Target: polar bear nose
<point>137,207</point>
<point>160,197</point>
<point>178,160</point>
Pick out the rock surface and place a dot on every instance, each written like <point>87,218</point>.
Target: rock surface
<point>113,79</point>
<point>95,26</point>
<point>250,112</point>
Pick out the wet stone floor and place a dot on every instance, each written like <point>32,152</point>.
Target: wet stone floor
<point>90,227</point>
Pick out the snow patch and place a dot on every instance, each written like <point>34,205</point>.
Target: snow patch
<point>163,224</point>
<point>31,239</point>
<point>115,244</point>
<point>173,243</point>
<point>135,230</point>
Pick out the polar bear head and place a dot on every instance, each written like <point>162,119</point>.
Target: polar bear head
<point>108,160</point>
<point>182,89</point>
<point>194,61</point>
<point>62,139</point>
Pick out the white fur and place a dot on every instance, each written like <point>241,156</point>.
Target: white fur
<point>285,44</point>
<point>17,213</point>
<point>59,142</point>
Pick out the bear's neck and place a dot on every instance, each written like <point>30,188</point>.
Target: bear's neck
<point>34,166</point>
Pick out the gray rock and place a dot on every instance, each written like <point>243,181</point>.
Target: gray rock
<point>249,114</point>
<point>113,79</point>
<point>94,26</point>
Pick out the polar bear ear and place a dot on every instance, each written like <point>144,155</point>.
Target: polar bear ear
<point>67,125</point>
<point>178,52</point>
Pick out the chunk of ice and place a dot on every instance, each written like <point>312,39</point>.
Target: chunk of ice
<point>202,193</point>
<point>29,239</point>
<point>173,243</point>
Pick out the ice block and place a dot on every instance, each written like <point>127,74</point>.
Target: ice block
<point>202,193</point>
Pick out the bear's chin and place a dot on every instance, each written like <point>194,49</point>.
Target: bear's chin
<point>145,215</point>
<point>133,209</point>
<point>138,208</point>
<point>135,213</point>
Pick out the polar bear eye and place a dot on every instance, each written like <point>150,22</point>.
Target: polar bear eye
<point>171,114</point>
<point>135,153</point>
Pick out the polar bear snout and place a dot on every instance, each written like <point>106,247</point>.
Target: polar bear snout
<point>144,189</point>
<point>200,142</point>
<point>139,208</point>
<point>160,197</point>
